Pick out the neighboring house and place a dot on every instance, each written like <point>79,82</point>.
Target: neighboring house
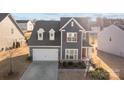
<point>25,25</point>
<point>10,34</point>
<point>64,40</point>
<point>110,40</point>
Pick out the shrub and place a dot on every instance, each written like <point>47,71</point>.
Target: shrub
<point>65,64</point>
<point>82,64</point>
<point>76,65</point>
<point>99,74</point>
<point>70,63</point>
<point>29,58</point>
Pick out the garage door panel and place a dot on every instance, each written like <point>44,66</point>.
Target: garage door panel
<point>45,54</point>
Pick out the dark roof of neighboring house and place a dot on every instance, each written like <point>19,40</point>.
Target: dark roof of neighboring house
<point>83,21</point>
<point>46,25</point>
<point>121,27</point>
<point>22,21</point>
<point>3,15</point>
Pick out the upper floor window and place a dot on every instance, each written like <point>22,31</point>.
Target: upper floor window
<point>12,31</point>
<point>51,34</point>
<point>40,34</point>
<point>71,37</point>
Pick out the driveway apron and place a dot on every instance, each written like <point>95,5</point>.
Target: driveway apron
<point>41,71</point>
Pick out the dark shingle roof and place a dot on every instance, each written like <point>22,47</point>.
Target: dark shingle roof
<point>83,21</point>
<point>56,25</point>
<point>121,27</point>
<point>46,25</point>
<point>22,21</point>
<point>3,15</point>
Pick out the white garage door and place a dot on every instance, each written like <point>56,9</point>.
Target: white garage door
<point>45,54</point>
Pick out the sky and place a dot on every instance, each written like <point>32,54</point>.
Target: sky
<point>56,16</point>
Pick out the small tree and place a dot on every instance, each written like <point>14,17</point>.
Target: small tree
<point>11,54</point>
<point>99,74</point>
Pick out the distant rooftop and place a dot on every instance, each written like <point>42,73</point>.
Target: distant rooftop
<point>22,21</point>
<point>121,26</point>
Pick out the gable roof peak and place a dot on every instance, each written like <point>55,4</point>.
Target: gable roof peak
<point>41,30</point>
<point>52,30</point>
<point>72,18</point>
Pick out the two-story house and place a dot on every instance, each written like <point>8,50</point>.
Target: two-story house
<point>110,40</point>
<point>11,35</point>
<point>25,25</point>
<point>64,40</point>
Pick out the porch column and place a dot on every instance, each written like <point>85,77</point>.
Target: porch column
<point>86,52</point>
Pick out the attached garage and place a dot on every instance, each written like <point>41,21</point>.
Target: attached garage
<point>45,54</point>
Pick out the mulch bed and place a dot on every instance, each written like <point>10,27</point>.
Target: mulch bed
<point>72,65</point>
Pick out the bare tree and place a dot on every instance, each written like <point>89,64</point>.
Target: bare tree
<point>11,53</point>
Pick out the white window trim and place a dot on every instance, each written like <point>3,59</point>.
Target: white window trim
<point>51,37</point>
<point>40,37</point>
<point>51,32</point>
<point>71,54</point>
<point>40,31</point>
<point>71,37</point>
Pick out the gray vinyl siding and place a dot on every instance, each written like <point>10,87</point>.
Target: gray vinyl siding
<point>31,48</point>
<point>66,45</point>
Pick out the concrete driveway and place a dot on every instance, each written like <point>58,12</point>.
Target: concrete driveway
<point>41,71</point>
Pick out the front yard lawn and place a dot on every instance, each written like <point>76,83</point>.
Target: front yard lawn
<point>19,64</point>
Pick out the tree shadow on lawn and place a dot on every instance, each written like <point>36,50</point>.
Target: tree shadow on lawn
<point>18,64</point>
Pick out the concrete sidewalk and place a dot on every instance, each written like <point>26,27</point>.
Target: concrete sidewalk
<point>41,71</point>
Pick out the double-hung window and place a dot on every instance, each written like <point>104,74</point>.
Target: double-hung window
<point>40,34</point>
<point>71,54</point>
<point>51,34</point>
<point>71,37</point>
